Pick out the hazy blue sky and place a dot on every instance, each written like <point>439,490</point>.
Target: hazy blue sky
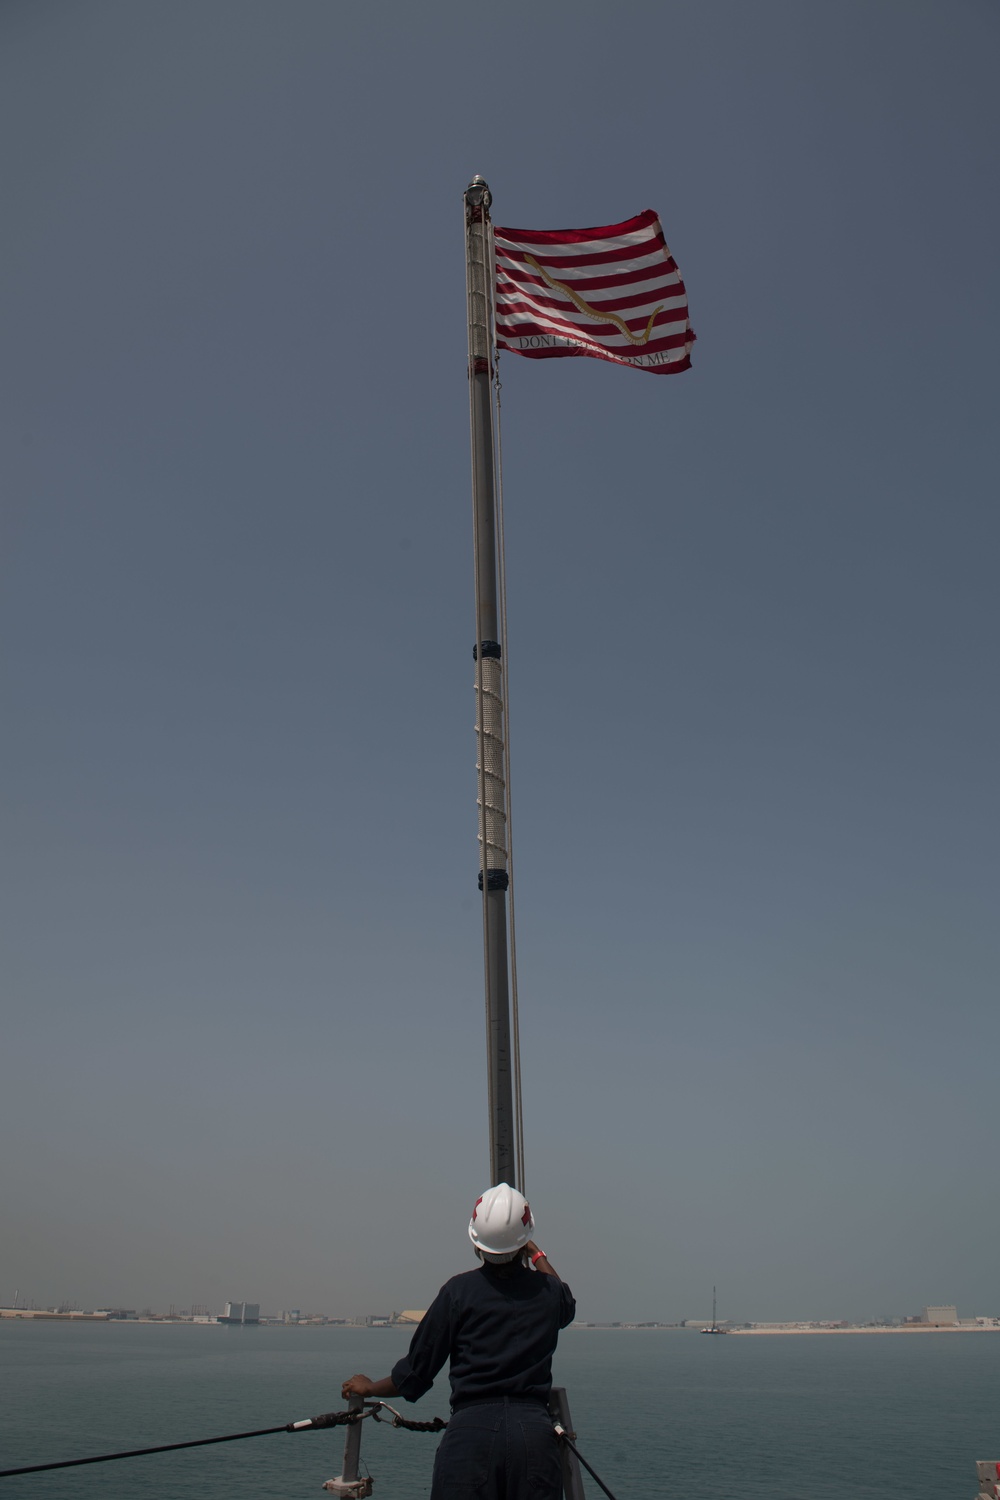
<point>753,646</point>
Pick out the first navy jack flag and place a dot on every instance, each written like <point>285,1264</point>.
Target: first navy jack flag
<point>611,293</point>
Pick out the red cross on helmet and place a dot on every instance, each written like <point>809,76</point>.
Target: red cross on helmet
<point>501,1221</point>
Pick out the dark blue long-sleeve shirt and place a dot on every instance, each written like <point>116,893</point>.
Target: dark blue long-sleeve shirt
<point>498,1327</point>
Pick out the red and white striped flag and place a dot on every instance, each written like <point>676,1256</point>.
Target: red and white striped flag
<point>613,293</point>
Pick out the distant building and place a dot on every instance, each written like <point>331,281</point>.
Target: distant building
<point>940,1317</point>
<point>241,1312</point>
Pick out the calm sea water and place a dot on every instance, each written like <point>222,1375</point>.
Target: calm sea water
<point>658,1413</point>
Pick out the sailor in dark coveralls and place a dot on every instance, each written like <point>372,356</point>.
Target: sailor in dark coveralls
<point>499,1326</point>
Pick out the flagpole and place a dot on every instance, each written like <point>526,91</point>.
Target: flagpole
<point>492,790</point>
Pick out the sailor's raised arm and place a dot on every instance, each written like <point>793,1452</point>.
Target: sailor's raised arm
<point>540,1261</point>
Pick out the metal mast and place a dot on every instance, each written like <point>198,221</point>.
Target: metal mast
<point>492,795</point>
<point>492,791</point>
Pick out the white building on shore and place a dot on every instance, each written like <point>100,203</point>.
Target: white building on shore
<point>940,1317</point>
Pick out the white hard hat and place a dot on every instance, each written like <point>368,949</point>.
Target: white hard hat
<point>501,1221</point>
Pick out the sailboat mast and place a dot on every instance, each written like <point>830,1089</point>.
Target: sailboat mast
<point>492,789</point>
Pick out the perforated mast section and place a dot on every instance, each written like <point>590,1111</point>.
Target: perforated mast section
<point>492,789</point>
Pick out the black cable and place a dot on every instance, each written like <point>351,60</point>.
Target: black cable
<point>596,1477</point>
<point>328,1419</point>
<point>101,1458</point>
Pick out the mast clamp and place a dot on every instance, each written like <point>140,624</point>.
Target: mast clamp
<point>350,1489</point>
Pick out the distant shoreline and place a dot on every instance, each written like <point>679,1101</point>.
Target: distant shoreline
<point>864,1328</point>
<point>37,1315</point>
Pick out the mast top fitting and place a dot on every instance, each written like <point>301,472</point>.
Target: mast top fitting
<point>478,194</point>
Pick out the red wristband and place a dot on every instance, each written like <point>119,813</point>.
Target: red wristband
<point>538,1255</point>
